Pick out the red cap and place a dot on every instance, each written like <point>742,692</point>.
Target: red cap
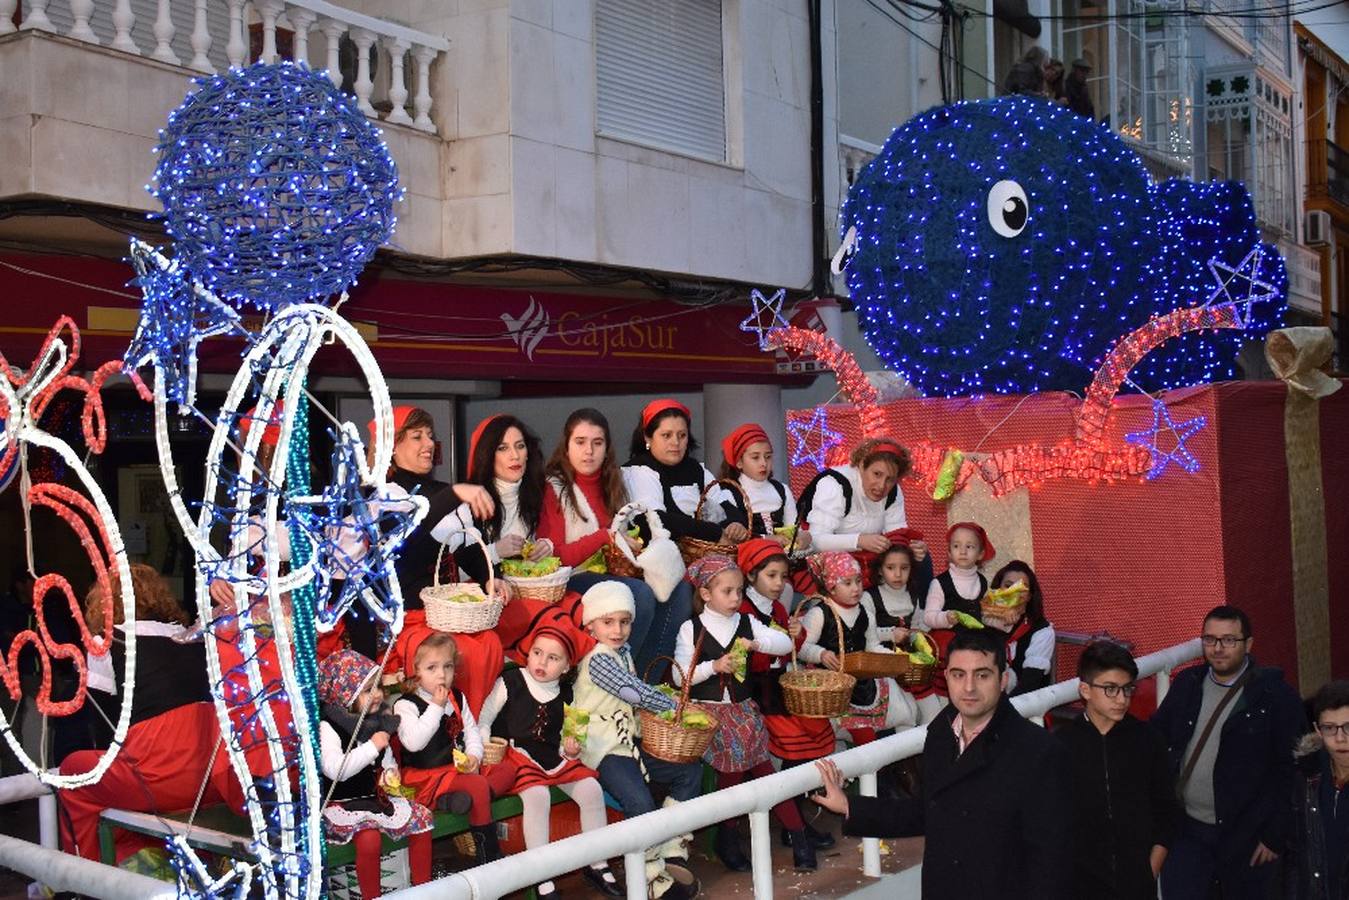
<point>906,536</point>
<point>656,407</point>
<point>271,435</point>
<point>557,632</point>
<point>400,415</point>
<point>755,552</point>
<point>989,552</point>
<point>734,445</point>
<point>477,433</point>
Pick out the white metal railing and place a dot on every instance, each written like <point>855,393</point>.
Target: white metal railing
<point>631,837</point>
<point>1304,276</point>
<point>390,76</point>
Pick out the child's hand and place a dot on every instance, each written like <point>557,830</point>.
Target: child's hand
<point>919,549</point>
<point>753,646</point>
<point>440,696</point>
<point>794,628</point>
<point>380,739</point>
<point>802,539</point>
<point>829,659</point>
<point>873,543</point>
<point>900,634</point>
<point>735,532</point>
<point>471,764</point>
<point>725,665</point>
<point>952,620</point>
<point>571,747</point>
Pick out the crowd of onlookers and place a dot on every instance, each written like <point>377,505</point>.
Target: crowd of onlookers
<point>1037,74</point>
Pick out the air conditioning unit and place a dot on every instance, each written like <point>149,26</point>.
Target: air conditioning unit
<point>1317,228</point>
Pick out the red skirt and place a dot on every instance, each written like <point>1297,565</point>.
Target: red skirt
<point>530,774</point>
<point>796,738</point>
<point>432,784</point>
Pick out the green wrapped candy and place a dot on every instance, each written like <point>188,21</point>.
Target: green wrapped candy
<point>966,620</point>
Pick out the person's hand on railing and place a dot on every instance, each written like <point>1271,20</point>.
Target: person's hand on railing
<point>833,798</point>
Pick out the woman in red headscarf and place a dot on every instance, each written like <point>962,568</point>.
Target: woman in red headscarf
<point>859,508</point>
<point>662,476</point>
<point>452,509</point>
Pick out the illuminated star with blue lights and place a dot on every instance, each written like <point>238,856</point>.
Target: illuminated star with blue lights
<point>176,316</point>
<point>355,534</point>
<point>1162,424</point>
<point>772,306</point>
<point>803,432</point>
<point>1239,286</point>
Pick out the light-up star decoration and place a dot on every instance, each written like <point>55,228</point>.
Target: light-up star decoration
<point>1163,433</point>
<point>176,315</point>
<point>769,306</point>
<point>1241,286</point>
<point>805,432</point>
<point>355,533</point>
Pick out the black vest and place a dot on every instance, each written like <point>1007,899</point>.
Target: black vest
<point>883,617</point>
<point>712,689</point>
<point>807,500</point>
<point>534,727</point>
<point>439,751</point>
<point>417,557</point>
<point>854,641</point>
<point>360,786</point>
<point>735,511</point>
<point>957,603</point>
<point>169,674</point>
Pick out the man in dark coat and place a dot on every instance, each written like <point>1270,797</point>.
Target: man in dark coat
<point>1123,804</point>
<point>993,791</point>
<point>1235,784</point>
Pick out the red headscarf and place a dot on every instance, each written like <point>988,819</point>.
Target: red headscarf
<point>656,407</point>
<point>477,433</point>
<point>989,552</point>
<point>832,566</point>
<point>734,445</point>
<point>400,415</point>
<point>702,571</point>
<point>562,635</point>
<point>753,553</point>
<point>409,642</point>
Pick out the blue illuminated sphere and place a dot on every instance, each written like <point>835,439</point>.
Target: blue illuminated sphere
<point>1003,246</point>
<point>275,187</point>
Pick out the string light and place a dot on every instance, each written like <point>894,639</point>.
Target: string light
<point>802,433</point>
<point>1179,434</point>
<point>772,306</point>
<point>24,397</point>
<point>1000,245</point>
<point>275,186</point>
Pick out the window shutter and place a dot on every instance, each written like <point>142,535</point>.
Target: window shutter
<point>659,74</point>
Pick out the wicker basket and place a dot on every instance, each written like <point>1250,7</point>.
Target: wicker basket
<point>915,675</point>
<point>547,588</point>
<point>818,693</point>
<point>668,740</point>
<point>1006,615</point>
<point>494,751</point>
<point>462,618</point>
<point>618,556</point>
<point>692,548</point>
<point>465,845</point>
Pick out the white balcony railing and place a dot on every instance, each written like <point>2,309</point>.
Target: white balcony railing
<point>386,66</point>
<point>1304,276</point>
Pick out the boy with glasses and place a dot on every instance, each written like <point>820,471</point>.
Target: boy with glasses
<point>1230,727</point>
<point>1319,846</point>
<point>1123,796</point>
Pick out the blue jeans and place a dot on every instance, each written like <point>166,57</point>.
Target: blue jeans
<point>655,625</point>
<point>622,777</point>
<point>1192,870</point>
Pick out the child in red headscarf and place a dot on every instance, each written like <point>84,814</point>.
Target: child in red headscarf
<point>441,748</point>
<point>527,707</point>
<point>747,459</point>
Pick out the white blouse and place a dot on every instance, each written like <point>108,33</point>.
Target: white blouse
<point>722,629</point>
<point>831,529</point>
<point>764,500</point>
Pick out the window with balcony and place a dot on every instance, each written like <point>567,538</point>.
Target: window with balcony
<point>660,75</point>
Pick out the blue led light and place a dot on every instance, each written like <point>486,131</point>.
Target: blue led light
<point>275,187</point>
<point>1003,245</point>
<point>772,306</point>
<point>813,439</point>
<point>1175,436</point>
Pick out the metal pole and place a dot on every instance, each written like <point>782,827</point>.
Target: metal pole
<point>761,854</point>
<point>46,821</point>
<point>871,847</point>
<point>634,872</point>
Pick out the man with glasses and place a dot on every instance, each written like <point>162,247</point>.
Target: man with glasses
<point>1230,728</point>
<point>1123,797</point>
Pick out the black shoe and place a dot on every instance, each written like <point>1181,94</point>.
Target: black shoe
<point>803,852</point>
<point>485,846</point>
<point>682,891</point>
<point>455,802</point>
<point>822,840</point>
<point>727,848</point>
<point>604,881</point>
